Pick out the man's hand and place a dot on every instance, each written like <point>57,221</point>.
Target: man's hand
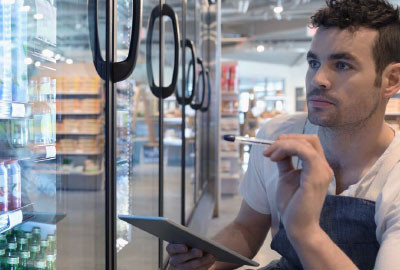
<point>183,258</point>
<point>301,192</point>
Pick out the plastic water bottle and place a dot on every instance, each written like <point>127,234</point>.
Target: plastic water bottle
<point>5,52</point>
<point>14,184</point>
<point>3,187</point>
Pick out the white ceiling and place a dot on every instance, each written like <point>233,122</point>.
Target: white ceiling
<point>285,39</point>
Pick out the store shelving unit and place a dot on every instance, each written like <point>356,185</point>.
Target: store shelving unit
<point>229,171</point>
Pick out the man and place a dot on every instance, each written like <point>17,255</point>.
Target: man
<point>347,149</point>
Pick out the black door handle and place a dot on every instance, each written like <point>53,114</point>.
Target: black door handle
<point>187,100</point>
<point>205,108</point>
<point>162,91</point>
<point>122,70</point>
<point>197,106</point>
<point>98,60</point>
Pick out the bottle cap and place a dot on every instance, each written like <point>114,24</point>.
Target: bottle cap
<point>2,252</point>
<point>51,237</point>
<point>24,254</point>
<point>50,258</point>
<point>44,243</point>
<point>36,230</point>
<point>11,245</point>
<point>28,235</point>
<point>13,260</point>
<point>40,264</point>
<point>22,241</point>
<point>34,248</point>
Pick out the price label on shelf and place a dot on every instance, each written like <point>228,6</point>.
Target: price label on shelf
<point>17,110</point>
<point>51,151</point>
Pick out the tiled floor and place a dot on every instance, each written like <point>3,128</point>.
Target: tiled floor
<point>229,207</point>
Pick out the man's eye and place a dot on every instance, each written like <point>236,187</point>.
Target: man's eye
<point>342,66</point>
<point>313,64</point>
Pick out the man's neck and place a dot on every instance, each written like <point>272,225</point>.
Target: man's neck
<point>351,151</point>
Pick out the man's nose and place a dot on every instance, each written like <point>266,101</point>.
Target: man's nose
<point>321,78</point>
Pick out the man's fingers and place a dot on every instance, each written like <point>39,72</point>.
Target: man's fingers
<point>180,259</point>
<point>202,263</point>
<point>176,248</point>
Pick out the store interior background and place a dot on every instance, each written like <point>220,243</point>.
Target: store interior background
<point>255,52</point>
<point>267,42</point>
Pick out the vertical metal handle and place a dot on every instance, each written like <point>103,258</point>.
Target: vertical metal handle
<point>197,106</point>
<point>98,60</point>
<point>205,108</point>
<point>162,91</point>
<point>187,100</point>
<point>122,70</point>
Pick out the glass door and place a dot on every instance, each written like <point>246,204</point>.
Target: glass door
<point>137,136</point>
<point>52,136</point>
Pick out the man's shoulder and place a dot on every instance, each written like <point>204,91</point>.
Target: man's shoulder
<point>282,124</point>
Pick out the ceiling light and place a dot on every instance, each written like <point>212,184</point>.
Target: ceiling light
<point>47,53</point>
<point>25,8</point>
<point>69,61</point>
<point>28,61</point>
<point>260,48</point>
<point>37,64</point>
<point>38,16</point>
<point>278,9</point>
<point>57,57</point>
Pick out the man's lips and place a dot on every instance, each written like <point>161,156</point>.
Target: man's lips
<point>320,102</point>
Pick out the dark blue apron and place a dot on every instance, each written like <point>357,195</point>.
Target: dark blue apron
<point>349,222</point>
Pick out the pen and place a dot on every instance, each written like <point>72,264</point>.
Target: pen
<point>246,140</point>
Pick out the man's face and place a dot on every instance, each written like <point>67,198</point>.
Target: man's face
<point>340,78</point>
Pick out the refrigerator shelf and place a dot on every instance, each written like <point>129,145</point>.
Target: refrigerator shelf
<point>78,113</point>
<point>35,153</point>
<point>79,133</point>
<point>79,153</point>
<point>10,219</point>
<point>78,94</point>
<point>69,173</point>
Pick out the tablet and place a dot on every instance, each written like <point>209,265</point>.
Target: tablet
<point>172,232</point>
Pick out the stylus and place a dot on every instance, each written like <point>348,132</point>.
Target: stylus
<point>246,140</point>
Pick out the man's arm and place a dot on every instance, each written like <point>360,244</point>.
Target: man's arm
<point>244,235</point>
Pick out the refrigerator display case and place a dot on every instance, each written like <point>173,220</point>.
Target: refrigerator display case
<point>93,126</point>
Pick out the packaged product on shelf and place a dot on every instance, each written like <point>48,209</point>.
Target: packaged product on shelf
<point>14,184</point>
<point>19,132</point>
<point>5,52</point>
<point>3,187</point>
<point>19,41</point>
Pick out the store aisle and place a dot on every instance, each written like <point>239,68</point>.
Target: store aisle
<point>228,209</point>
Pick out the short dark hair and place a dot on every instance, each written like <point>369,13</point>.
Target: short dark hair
<point>374,14</point>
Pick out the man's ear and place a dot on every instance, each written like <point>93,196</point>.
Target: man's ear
<point>391,80</point>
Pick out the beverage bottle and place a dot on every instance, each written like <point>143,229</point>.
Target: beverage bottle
<point>36,235</point>
<point>23,260</point>
<point>43,247</point>
<point>28,236</point>
<point>11,237</point>
<point>14,184</point>
<point>52,244</point>
<point>22,244</point>
<point>11,249</point>
<point>3,241</point>
<point>2,258</point>
<point>3,187</point>
<point>40,265</point>
<point>19,132</point>
<point>34,249</point>
<point>5,53</point>
<point>51,262</point>
<point>12,263</point>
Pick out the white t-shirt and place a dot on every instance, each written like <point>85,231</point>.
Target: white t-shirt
<point>380,184</point>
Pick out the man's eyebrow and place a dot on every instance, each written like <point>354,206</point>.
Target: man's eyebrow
<point>346,56</point>
<point>310,54</point>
